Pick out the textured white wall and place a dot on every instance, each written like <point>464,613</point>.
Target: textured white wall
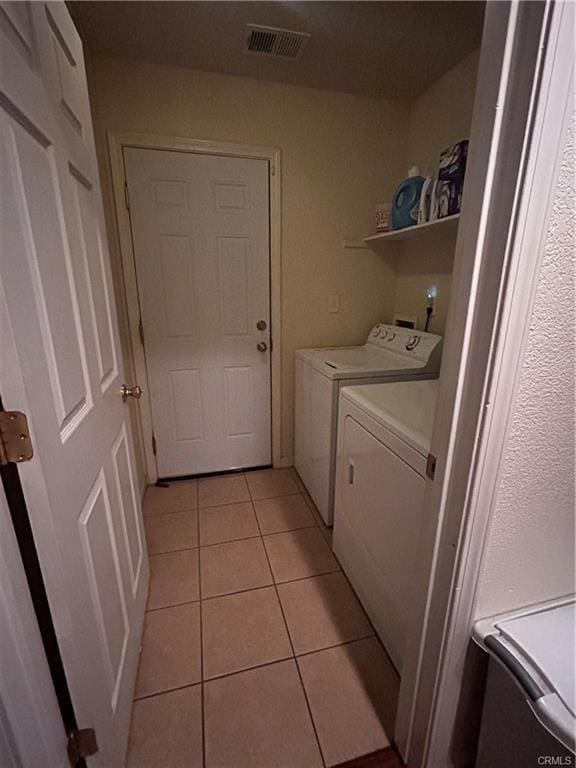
<point>529,553</point>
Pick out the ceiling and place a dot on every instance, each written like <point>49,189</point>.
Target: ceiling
<point>391,49</point>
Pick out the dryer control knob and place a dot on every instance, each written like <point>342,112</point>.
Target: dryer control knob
<point>412,342</point>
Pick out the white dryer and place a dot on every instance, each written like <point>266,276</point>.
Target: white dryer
<point>384,433</point>
<point>389,354</point>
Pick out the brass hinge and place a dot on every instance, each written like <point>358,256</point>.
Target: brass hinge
<point>154,445</point>
<point>15,443</point>
<point>81,744</point>
<point>141,332</point>
<point>127,196</point>
<point>430,466</point>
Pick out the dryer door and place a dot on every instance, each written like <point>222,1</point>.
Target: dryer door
<point>378,519</point>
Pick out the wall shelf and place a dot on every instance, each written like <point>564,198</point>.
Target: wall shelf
<point>448,225</point>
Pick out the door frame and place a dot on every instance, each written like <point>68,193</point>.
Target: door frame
<point>117,141</point>
<point>498,254</point>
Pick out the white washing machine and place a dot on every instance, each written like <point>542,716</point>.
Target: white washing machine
<point>389,354</point>
<point>384,433</point>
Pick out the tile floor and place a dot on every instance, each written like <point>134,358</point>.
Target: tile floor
<point>256,652</point>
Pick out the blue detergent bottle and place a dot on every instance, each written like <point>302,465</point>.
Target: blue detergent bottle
<point>406,200</point>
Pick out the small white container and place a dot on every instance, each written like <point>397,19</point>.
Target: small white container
<point>383,217</point>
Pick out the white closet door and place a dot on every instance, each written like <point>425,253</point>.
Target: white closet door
<point>200,226</point>
<point>61,364</point>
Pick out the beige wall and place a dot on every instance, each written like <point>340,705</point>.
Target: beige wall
<point>341,154</point>
<point>438,118</point>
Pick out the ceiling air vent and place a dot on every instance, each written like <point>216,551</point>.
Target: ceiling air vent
<point>279,43</point>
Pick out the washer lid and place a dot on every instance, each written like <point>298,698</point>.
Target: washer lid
<point>536,646</point>
<point>546,639</point>
<point>405,408</point>
<point>360,362</point>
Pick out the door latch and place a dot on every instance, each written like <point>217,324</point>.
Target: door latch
<point>15,442</point>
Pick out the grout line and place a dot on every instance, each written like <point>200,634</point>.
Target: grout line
<point>274,583</point>
<point>281,533</point>
<point>293,651</point>
<point>229,541</point>
<point>336,645</point>
<point>172,605</point>
<point>298,492</point>
<point>170,551</point>
<point>169,512</point>
<point>249,669</point>
<point>225,504</point>
<point>168,690</point>
<point>239,592</point>
<point>247,538</point>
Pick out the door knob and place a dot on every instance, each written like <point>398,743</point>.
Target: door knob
<point>261,346</point>
<point>261,325</point>
<point>126,392</point>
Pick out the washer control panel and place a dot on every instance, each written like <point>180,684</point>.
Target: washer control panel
<point>408,341</point>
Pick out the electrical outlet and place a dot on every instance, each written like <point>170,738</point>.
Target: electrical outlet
<point>334,303</point>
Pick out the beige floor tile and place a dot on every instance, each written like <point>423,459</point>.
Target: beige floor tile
<point>259,719</point>
<point>299,554</point>
<point>180,496</point>
<point>222,489</point>
<point>228,523</point>
<point>171,532</point>
<point>166,731</point>
<point>353,692</point>
<point>174,578</point>
<point>322,611</point>
<point>267,483</point>
<point>233,567</point>
<point>286,513</point>
<point>170,650</point>
<point>242,631</point>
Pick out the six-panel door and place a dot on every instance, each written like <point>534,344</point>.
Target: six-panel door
<point>200,227</point>
<point>62,365</point>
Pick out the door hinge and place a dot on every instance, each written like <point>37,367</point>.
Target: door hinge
<point>141,332</point>
<point>272,169</point>
<point>154,444</point>
<point>430,466</point>
<point>127,196</point>
<point>15,442</point>
<point>81,744</point>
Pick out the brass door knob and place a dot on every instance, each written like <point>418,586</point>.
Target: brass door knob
<point>126,392</point>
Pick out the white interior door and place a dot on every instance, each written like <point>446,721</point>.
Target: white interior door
<point>61,364</point>
<point>201,233</point>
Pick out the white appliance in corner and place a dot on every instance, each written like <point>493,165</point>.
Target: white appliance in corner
<point>384,433</point>
<point>389,354</point>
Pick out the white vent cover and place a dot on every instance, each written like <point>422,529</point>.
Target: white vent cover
<point>279,43</point>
